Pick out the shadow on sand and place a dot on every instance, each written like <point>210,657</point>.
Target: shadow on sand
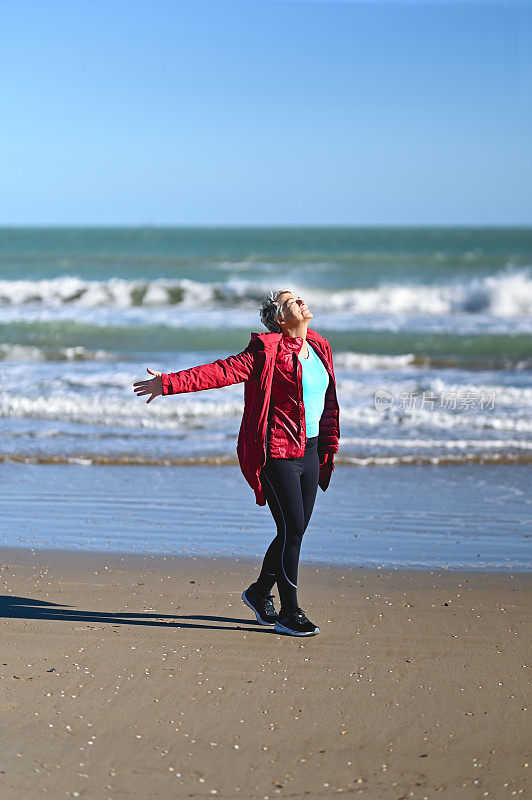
<point>30,609</point>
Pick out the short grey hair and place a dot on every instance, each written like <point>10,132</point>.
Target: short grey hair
<point>270,308</point>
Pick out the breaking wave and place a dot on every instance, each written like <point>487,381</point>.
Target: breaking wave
<point>28,353</point>
<point>505,294</point>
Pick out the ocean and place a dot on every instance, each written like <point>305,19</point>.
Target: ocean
<point>431,330</point>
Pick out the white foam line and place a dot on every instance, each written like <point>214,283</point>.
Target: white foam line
<point>508,293</point>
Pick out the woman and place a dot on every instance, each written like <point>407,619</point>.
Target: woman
<point>287,440</point>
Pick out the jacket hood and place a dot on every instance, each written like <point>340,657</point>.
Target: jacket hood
<point>272,339</point>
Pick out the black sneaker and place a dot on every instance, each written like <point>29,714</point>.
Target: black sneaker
<point>296,623</point>
<point>262,606</point>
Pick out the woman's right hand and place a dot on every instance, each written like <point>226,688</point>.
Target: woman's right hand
<point>152,386</point>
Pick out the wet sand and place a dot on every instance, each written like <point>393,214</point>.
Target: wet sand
<point>408,516</point>
<point>147,677</point>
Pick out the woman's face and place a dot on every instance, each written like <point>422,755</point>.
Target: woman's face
<point>294,309</point>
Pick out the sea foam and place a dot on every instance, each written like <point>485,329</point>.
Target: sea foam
<point>507,293</point>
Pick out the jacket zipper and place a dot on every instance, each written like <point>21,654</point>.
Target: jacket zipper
<point>299,377</point>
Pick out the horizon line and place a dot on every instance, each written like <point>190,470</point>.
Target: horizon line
<point>267,226</point>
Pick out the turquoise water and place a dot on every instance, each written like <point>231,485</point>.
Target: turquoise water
<point>360,256</point>
<point>420,313</point>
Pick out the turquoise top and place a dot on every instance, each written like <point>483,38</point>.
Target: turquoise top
<point>315,383</point>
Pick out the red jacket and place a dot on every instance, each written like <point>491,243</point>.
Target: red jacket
<point>273,396</point>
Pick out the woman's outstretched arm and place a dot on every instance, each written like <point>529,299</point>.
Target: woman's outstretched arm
<point>223,372</point>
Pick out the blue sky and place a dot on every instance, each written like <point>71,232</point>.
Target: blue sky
<point>220,112</point>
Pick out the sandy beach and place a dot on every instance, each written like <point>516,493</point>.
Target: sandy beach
<point>146,677</point>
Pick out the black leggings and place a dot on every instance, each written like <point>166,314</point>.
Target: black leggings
<point>290,486</point>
